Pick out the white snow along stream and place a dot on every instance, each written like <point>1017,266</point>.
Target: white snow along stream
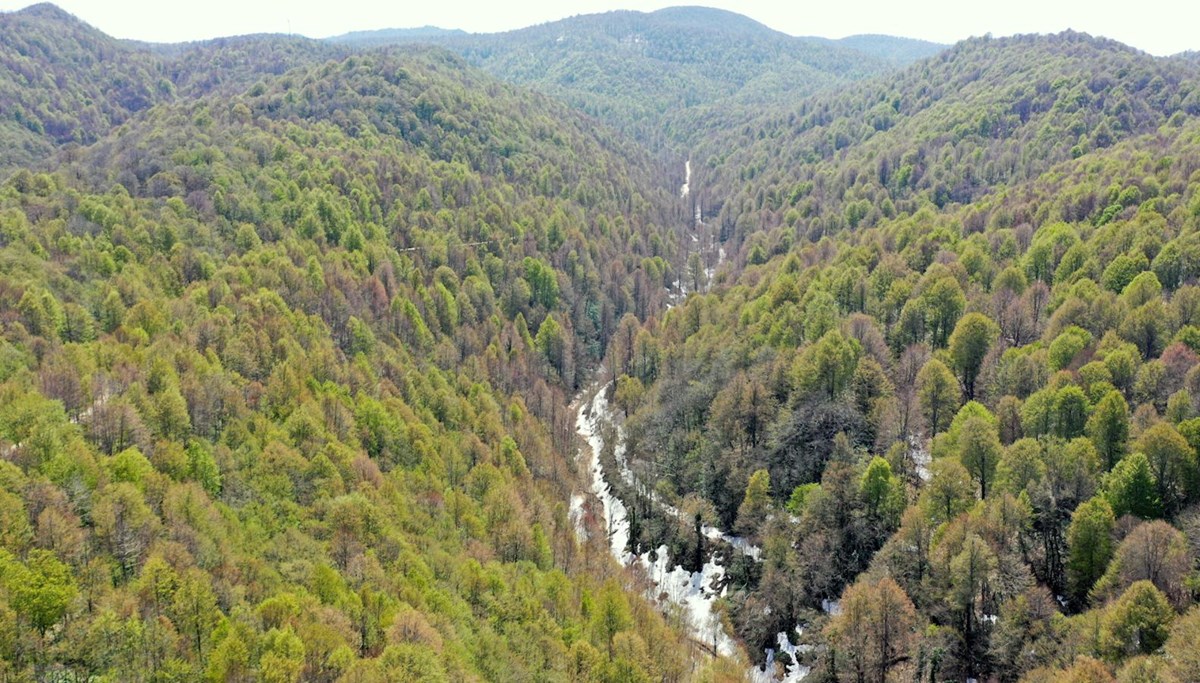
<point>693,592</point>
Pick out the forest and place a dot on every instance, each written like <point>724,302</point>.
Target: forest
<point>298,338</point>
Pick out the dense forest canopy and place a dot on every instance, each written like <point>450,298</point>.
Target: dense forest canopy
<point>296,338</point>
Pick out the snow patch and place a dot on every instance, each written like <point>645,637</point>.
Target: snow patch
<point>693,592</point>
<point>921,457</point>
<point>576,513</point>
<point>793,672</point>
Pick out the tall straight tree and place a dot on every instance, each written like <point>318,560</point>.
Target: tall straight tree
<point>973,336</point>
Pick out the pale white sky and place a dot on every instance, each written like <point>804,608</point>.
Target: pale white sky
<point>1157,26</point>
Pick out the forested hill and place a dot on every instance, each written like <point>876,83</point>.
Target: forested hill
<point>947,130</point>
<point>630,69</point>
<point>290,333</point>
<point>897,51</point>
<point>284,382</point>
<point>947,374</point>
<point>63,82</point>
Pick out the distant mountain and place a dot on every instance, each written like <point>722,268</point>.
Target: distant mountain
<point>393,35</point>
<point>63,81</point>
<point>1006,109</point>
<point>631,69</point>
<point>892,49</point>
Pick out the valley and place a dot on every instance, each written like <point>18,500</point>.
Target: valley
<point>635,346</point>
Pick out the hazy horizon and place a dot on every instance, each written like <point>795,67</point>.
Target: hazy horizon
<point>938,21</point>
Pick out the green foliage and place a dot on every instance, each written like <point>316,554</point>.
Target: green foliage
<point>1131,488</point>
<point>938,392</point>
<point>1091,545</point>
<point>979,451</point>
<point>969,343</point>
<point>1108,427</point>
<point>268,373</point>
<point>1138,622</point>
<point>41,589</point>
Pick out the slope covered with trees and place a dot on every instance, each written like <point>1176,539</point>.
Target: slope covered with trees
<point>290,331</point>
<point>64,83</point>
<point>947,376</point>
<point>284,381</point>
<point>632,70</point>
<point>983,115</point>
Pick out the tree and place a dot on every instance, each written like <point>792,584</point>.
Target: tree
<point>937,391</point>
<point>943,302</point>
<point>972,572</point>
<point>629,393</point>
<point>1137,623</point>
<point>1156,552</point>
<point>41,589</point>
<point>1091,546</point>
<point>882,493</point>
<point>282,659</point>
<point>755,504</point>
<point>875,630</point>
<point>1070,412</point>
<point>194,611</point>
<point>1131,490</point>
<point>973,336</point>
<point>949,492</point>
<point>1026,633</point>
<point>1182,654</point>
<point>612,615</point>
<point>979,450</point>
<point>1172,461</point>
<point>828,365</point>
<point>1108,428</point>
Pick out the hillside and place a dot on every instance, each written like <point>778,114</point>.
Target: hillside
<point>285,376</point>
<point>632,347</point>
<point>391,36</point>
<point>892,49</point>
<point>632,69</point>
<point>946,377</point>
<point>982,115</point>
<point>63,81</point>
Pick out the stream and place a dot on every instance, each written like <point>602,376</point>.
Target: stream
<point>693,593</point>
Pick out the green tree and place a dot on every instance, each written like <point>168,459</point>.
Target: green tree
<point>194,611</point>
<point>949,492</point>
<point>1108,428</point>
<point>1070,412</point>
<point>1131,490</point>
<point>1172,461</point>
<point>282,659</point>
<point>937,391</point>
<point>1137,623</point>
<point>972,337</point>
<point>943,302</point>
<point>979,451</point>
<point>828,365</point>
<point>1182,654</point>
<point>755,504</point>
<point>1090,540</point>
<point>611,616</point>
<point>882,493</point>
<point>41,589</point>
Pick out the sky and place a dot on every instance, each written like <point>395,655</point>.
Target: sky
<point>1160,27</point>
